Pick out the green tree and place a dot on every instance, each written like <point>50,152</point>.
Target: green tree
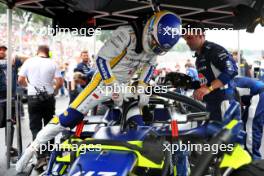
<point>2,8</point>
<point>41,20</point>
<point>23,16</point>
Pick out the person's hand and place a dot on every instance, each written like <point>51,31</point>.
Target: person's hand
<point>56,92</point>
<point>143,99</point>
<point>201,92</point>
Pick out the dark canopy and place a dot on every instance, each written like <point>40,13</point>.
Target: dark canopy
<point>109,14</point>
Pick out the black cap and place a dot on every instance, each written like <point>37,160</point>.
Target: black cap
<point>3,46</point>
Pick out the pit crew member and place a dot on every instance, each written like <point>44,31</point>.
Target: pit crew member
<point>216,70</point>
<point>251,92</point>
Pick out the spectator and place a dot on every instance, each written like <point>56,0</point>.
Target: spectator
<point>191,71</point>
<point>67,77</point>
<point>188,61</point>
<point>85,66</point>
<point>62,89</point>
<point>17,62</point>
<point>38,74</point>
<point>80,81</point>
<point>262,67</point>
<point>177,67</point>
<point>86,69</point>
<point>245,69</point>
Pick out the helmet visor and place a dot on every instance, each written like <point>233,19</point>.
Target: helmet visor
<point>154,46</point>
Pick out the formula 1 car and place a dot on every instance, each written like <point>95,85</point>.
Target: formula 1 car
<point>126,142</point>
<point>128,148</point>
<point>117,137</point>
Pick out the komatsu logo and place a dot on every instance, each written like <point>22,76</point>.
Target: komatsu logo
<point>103,69</point>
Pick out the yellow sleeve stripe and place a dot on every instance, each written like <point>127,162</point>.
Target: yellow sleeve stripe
<point>87,91</point>
<point>142,83</point>
<point>97,79</point>
<point>110,80</point>
<point>54,120</point>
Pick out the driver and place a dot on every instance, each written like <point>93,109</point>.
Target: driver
<point>129,49</point>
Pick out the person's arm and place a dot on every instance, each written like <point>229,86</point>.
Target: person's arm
<point>58,79</point>
<point>225,63</point>
<point>248,70</point>
<point>58,83</point>
<point>147,73</point>
<point>78,68</point>
<point>225,69</point>
<point>22,58</point>
<point>22,81</point>
<point>22,75</point>
<point>91,72</point>
<point>111,53</point>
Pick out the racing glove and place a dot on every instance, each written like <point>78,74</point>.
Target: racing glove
<point>181,80</point>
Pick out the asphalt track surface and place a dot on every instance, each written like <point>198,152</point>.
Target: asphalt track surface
<point>61,105</point>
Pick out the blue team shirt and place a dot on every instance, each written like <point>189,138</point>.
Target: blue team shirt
<point>3,75</point>
<point>255,86</point>
<point>214,62</point>
<point>85,69</point>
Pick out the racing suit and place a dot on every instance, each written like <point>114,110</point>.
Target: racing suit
<point>116,61</point>
<point>252,96</point>
<point>214,62</point>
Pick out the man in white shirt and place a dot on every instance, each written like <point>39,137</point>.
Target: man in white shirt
<point>38,75</point>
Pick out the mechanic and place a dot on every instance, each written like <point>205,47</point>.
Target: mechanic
<point>251,92</point>
<point>216,69</point>
<point>38,74</point>
<point>85,66</point>
<point>129,49</point>
<point>17,62</point>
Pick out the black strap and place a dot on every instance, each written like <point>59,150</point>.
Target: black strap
<point>137,26</point>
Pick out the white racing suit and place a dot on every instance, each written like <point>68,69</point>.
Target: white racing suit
<point>116,61</point>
